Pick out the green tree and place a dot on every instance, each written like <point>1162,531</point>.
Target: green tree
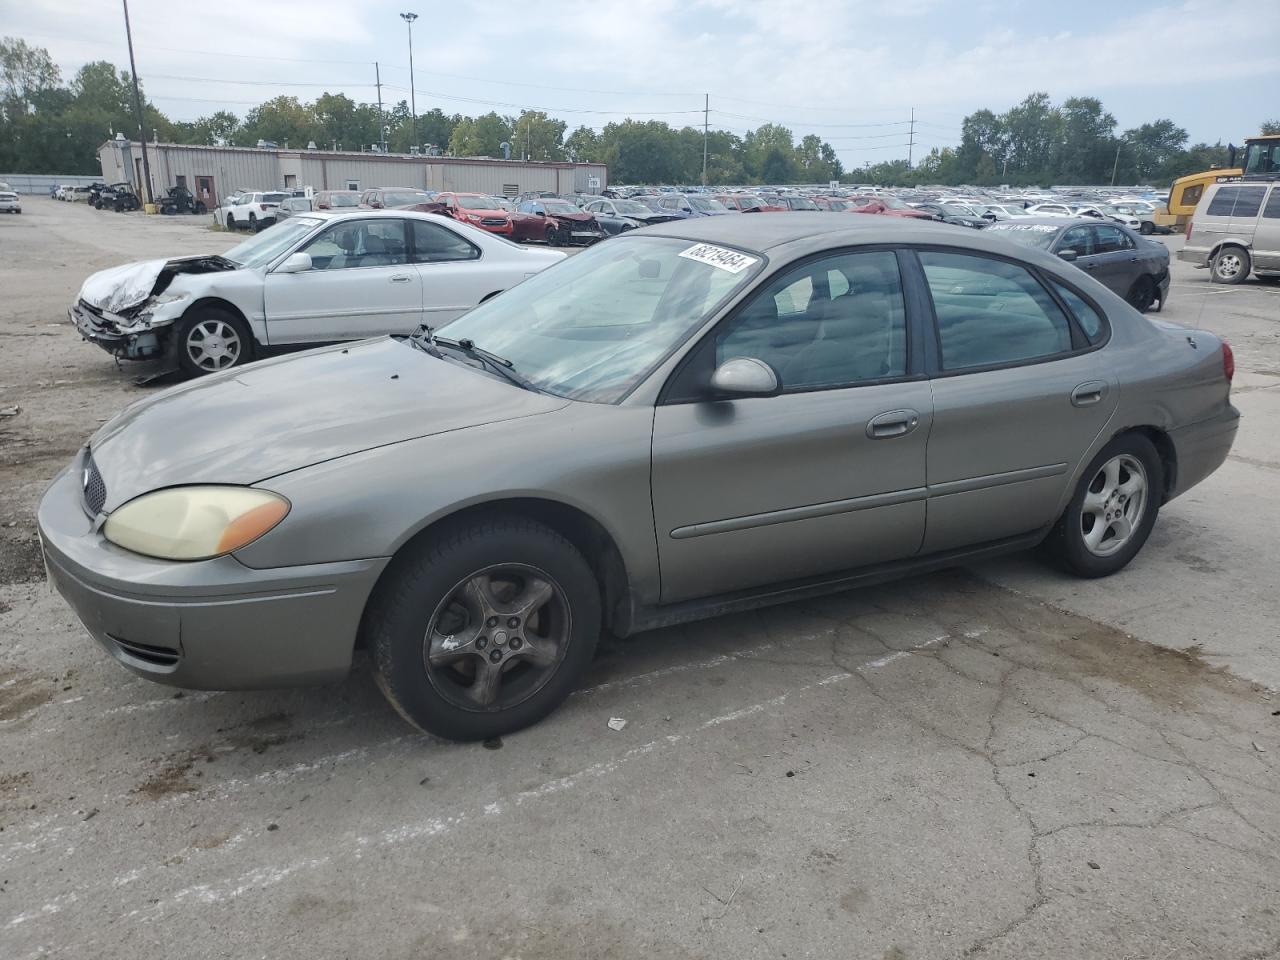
<point>1087,145</point>
<point>1151,149</point>
<point>1034,129</point>
<point>481,136</point>
<point>536,136</point>
<point>583,145</point>
<point>1270,127</point>
<point>25,71</point>
<point>281,120</point>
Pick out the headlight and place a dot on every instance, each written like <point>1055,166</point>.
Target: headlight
<point>194,523</point>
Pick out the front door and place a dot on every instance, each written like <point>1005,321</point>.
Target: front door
<point>361,284</point>
<point>825,476</point>
<point>1114,257</point>
<point>1017,396</point>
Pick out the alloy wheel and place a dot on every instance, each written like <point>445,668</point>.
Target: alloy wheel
<point>1114,505</point>
<point>214,345</point>
<point>1228,265</point>
<point>497,637</point>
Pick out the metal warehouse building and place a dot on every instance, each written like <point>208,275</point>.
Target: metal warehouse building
<point>213,172</point>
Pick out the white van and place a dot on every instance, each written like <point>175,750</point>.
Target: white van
<point>1236,230</point>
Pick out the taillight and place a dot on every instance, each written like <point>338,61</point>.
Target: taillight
<point>262,207</point>
<point>1228,361</point>
<point>1188,233</point>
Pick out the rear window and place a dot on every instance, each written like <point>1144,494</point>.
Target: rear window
<point>991,312</point>
<point>273,197</point>
<point>1272,211</point>
<point>1237,201</point>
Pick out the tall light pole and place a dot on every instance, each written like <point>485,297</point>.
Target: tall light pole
<point>408,18</point>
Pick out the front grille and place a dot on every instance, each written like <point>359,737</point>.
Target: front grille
<point>147,653</point>
<point>95,488</point>
<point>493,222</point>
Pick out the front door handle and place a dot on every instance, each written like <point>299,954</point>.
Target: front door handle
<point>1088,393</point>
<point>895,423</point>
<point>400,278</point>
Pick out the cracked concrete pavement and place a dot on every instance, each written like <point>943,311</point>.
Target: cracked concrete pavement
<point>992,763</point>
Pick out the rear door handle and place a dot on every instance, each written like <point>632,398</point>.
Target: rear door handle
<point>895,423</point>
<point>400,278</point>
<point>1088,393</point>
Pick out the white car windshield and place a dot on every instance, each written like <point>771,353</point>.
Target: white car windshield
<point>590,328</point>
<point>262,248</point>
<point>1037,235</point>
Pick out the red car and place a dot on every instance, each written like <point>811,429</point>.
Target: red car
<point>555,221</point>
<point>888,206</point>
<point>476,209</point>
<point>832,204</point>
<point>747,203</point>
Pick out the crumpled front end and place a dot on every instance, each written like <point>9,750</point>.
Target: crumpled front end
<point>137,334</point>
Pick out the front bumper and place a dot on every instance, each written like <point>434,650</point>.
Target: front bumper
<point>209,625</point>
<point>142,344</point>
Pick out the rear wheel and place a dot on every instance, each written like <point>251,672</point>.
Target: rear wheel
<point>1230,265</point>
<point>1147,228</point>
<point>210,340</point>
<point>484,630</point>
<point>1142,294</point>
<point>1113,510</point>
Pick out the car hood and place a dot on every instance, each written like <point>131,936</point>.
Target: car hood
<point>581,217</point>
<point>255,422</point>
<point>119,288</point>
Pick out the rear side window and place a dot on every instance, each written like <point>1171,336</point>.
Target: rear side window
<point>1272,210</point>
<point>433,243</point>
<point>1111,239</point>
<point>991,312</point>
<point>1089,319</point>
<point>1237,201</point>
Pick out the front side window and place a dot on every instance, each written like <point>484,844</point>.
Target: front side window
<point>837,321</point>
<point>991,312</point>
<point>1079,239</point>
<point>433,243</point>
<point>360,243</point>
<point>262,248</point>
<point>593,326</point>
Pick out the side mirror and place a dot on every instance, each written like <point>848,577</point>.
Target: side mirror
<point>295,263</point>
<point>745,377</point>
<point>1068,254</point>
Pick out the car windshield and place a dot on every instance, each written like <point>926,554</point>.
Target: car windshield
<point>803,203</point>
<point>273,197</point>
<point>344,200</point>
<point>629,208</point>
<point>473,202</point>
<point>592,327</point>
<point>1037,235</point>
<point>560,206</point>
<point>404,198</point>
<point>893,203</point>
<point>707,205</point>
<point>954,210</point>
<point>262,248</point>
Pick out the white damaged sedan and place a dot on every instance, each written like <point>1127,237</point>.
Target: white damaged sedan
<point>319,278</point>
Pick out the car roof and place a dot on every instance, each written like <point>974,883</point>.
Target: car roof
<point>763,234</point>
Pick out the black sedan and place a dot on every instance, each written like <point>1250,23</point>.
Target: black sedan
<point>1132,266</point>
<point>953,213</point>
<point>619,216</point>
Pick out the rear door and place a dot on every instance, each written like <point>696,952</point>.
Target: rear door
<point>825,476</point>
<point>1115,258</point>
<point>1019,395</point>
<point>361,284</point>
<point>1266,241</point>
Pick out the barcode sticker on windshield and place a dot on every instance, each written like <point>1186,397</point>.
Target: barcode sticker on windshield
<point>719,257</point>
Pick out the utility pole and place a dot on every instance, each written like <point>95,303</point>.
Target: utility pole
<point>137,103</point>
<point>413,103</point>
<point>706,125</point>
<point>1116,166</point>
<point>911,143</point>
<point>382,127</point>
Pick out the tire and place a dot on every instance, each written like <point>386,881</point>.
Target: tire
<point>1128,458</point>
<point>552,237</point>
<point>1230,265</point>
<point>1142,295</point>
<point>253,223</point>
<point>1147,228</point>
<point>210,340</point>
<point>231,222</point>
<point>436,686</point>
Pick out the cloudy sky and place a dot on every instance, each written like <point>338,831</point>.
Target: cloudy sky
<point>849,71</point>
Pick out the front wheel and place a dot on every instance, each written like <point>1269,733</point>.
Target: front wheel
<point>1147,228</point>
<point>210,340</point>
<point>485,629</point>
<point>1113,510</point>
<point>1230,265</point>
<point>231,222</point>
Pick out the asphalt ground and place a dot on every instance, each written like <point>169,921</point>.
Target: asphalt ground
<point>994,762</point>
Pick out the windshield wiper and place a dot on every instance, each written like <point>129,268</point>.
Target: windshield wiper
<point>425,338</point>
